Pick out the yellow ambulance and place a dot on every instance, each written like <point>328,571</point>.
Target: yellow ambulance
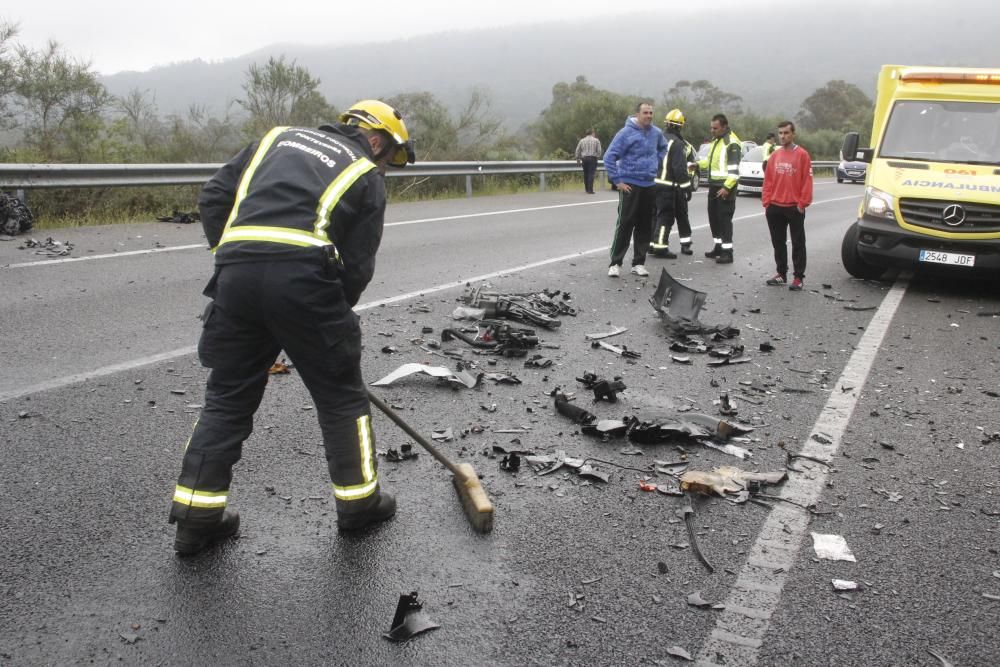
<point>932,193</point>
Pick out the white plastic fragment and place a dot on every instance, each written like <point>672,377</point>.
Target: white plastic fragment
<point>832,547</point>
<point>844,585</point>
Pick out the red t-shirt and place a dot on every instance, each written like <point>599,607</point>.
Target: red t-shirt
<point>789,178</point>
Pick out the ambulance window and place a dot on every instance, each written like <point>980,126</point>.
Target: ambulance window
<point>962,132</point>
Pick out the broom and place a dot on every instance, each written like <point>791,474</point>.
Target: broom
<point>475,502</point>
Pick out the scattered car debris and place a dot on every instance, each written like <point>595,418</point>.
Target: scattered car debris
<point>15,216</point>
<point>766,347</point>
<point>180,217</point>
<point>607,334</point>
<point>496,336</point>
<point>280,368</point>
<point>941,658</point>
<point>540,308</point>
<point>49,247</point>
<point>733,450</point>
<point>696,600</point>
<point>844,585</point>
<point>688,514</point>
<point>686,426</point>
<point>683,304</point>
<point>728,361</point>
<point>404,453</point>
<point>511,462</point>
<point>537,361</point>
<point>859,308</point>
<point>592,473</point>
<point>726,407</point>
<point>571,410</point>
<point>622,351</point>
<point>604,390</point>
<point>502,378</point>
<point>678,652</point>
<point>443,436</point>
<point>409,619</point>
<point>459,377</point>
<point>390,349</point>
<point>727,480</point>
<point>680,359</point>
<point>832,547</point>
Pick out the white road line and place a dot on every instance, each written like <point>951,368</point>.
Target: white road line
<point>57,383</point>
<point>201,246</point>
<point>129,253</point>
<point>173,354</point>
<point>740,630</point>
<point>489,213</point>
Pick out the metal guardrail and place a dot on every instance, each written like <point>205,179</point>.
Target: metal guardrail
<point>36,176</point>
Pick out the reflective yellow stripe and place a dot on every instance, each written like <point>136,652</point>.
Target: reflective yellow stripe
<point>273,234</point>
<point>186,496</point>
<point>356,492</point>
<point>336,190</point>
<point>365,443</point>
<point>241,193</point>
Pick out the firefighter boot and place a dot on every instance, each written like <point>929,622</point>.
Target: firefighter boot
<point>195,538</point>
<point>383,508</point>
<point>686,249</point>
<point>714,252</point>
<point>725,256</point>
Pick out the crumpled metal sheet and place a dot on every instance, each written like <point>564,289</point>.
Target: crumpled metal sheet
<point>689,425</point>
<point>461,377</point>
<point>409,619</point>
<point>682,302</point>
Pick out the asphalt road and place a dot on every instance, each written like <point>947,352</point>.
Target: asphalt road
<point>99,389</point>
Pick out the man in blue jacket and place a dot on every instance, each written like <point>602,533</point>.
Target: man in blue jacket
<point>631,162</point>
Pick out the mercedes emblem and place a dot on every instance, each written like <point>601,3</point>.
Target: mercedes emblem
<point>953,215</point>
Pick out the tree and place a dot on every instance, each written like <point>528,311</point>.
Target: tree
<point>141,126</point>
<point>280,93</point>
<point>575,108</point>
<point>837,106</point>
<point>7,32</point>
<point>471,135</point>
<point>61,99</point>
<point>703,95</point>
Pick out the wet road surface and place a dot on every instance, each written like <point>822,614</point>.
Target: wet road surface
<point>100,387</point>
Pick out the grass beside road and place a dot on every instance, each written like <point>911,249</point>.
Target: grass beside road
<point>84,207</point>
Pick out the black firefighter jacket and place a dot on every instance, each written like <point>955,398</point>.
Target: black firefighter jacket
<point>321,184</point>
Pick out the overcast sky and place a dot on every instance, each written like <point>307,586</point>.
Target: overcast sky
<point>115,35</point>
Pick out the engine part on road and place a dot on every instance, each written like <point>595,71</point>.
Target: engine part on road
<point>15,216</point>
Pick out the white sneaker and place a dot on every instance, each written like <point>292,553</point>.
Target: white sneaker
<point>640,270</point>
<point>614,271</point>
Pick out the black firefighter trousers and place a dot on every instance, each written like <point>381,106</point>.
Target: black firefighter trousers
<point>671,204</point>
<point>259,309</point>
<point>720,216</point>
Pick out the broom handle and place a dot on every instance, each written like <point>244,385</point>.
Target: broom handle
<point>391,414</point>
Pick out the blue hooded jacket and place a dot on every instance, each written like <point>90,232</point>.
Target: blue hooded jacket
<point>635,154</point>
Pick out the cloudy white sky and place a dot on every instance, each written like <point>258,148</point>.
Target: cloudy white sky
<point>115,35</point>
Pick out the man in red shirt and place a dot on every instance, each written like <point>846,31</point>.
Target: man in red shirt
<point>788,188</point>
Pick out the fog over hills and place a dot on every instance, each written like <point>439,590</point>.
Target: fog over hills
<point>774,65</point>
